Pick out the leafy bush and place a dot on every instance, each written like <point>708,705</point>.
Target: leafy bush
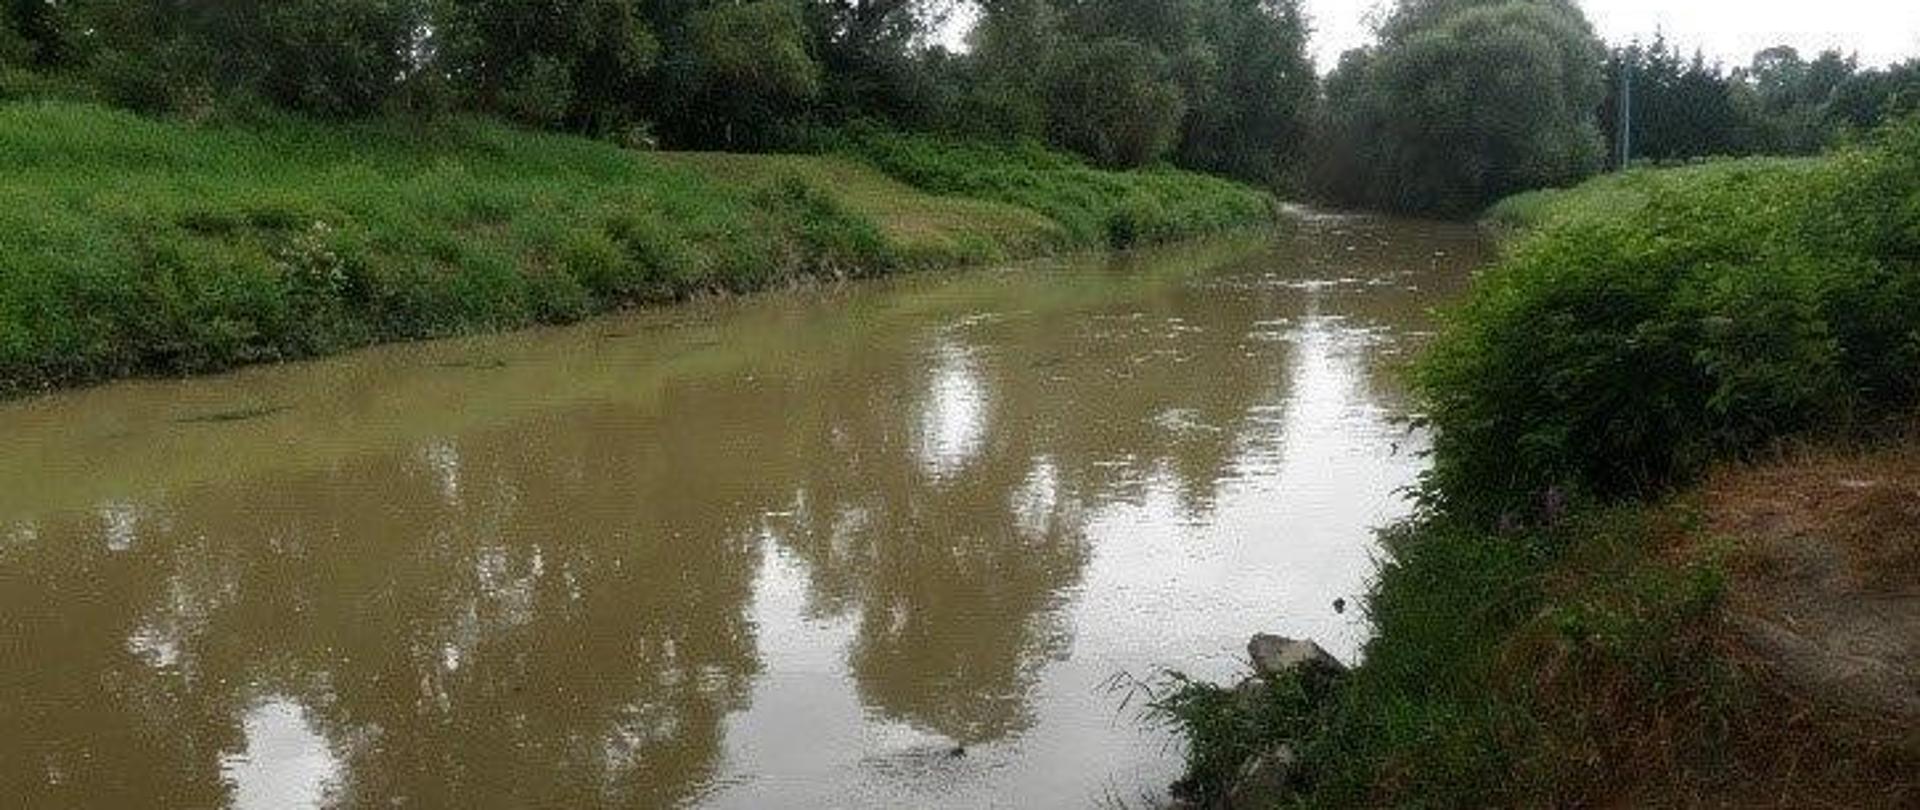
<point>1620,349</point>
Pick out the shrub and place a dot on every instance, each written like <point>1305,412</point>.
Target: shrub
<point>1617,351</point>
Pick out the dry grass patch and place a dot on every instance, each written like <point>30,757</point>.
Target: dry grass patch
<point>927,225</point>
<point>1826,575</point>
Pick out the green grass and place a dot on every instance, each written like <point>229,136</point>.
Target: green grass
<point>1625,194</point>
<point>1093,206</point>
<point>137,246</point>
<point>1518,669</point>
<point>1554,666</point>
<point>935,229</point>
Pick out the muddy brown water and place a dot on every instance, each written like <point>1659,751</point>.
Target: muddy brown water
<point>880,545</point>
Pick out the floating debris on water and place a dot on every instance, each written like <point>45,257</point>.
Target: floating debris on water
<point>235,415</point>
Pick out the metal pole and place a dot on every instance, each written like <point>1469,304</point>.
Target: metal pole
<point>1625,123</point>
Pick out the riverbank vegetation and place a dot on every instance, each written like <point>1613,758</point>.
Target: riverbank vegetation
<point>136,245</point>
<point>1463,102</point>
<point>1221,86</point>
<point>1780,103</point>
<point>306,176</point>
<point>1574,617</point>
<point>1460,103</point>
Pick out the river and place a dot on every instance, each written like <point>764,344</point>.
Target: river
<point>885,544</point>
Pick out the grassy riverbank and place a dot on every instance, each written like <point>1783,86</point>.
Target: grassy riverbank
<point>1643,574</point>
<point>139,246</point>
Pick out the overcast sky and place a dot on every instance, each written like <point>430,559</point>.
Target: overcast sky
<point>1730,31</point>
<point>1882,31</point>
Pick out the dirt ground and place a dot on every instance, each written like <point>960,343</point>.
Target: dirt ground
<point>1825,568</point>
<point>1822,550</point>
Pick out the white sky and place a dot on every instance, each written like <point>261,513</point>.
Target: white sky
<point>1881,31</point>
<point>1730,31</point>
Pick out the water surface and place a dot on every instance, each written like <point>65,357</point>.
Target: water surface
<point>877,545</point>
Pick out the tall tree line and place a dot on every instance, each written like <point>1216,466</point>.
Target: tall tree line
<point>1221,85</point>
<point>1462,102</point>
<point>1457,103</point>
<point>1779,103</point>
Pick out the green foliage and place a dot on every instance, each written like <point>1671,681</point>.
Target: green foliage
<point>1463,103</point>
<point>1224,728</point>
<point>578,64</point>
<point>1547,625</point>
<point>36,32</point>
<point>1250,92</point>
<point>15,50</point>
<point>1780,104</point>
<point>140,246</point>
<point>871,62</point>
<point>320,56</point>
<point>1110,101</point>
<point>1217,85</point>
<point>1869,98</point>
<point>1722,306</point>
<point>1498,665</point>
<point>1789,98</point>
<point>338,236</point>
<point>752,66</point>
<point>1014,48</point>
<point>1682,108</point>
<point>1093,206</point>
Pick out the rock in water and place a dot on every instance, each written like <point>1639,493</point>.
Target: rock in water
<point>1274,656</point>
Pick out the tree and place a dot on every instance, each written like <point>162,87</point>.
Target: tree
<point>14,48</point>
<point>335,57</point>
<point>1112,102</point>
<point>870,54</point>
<point>1015,46</point>
<point>1101,77</point>
<point>1871,98</point>
<point>1681,108</point>
<point>1463,102</point>
<point>36,32</point>
<point>332,57</point>
<point>1252,94</point>
<point>1791,95</point>
<point>580,64</point>
<point>752,69</point>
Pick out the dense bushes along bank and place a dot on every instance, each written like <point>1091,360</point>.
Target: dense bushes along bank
<point>130,245</point>
<point>1558,624</point>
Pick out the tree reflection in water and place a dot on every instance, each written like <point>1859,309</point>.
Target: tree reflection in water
<point>554,604</point>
